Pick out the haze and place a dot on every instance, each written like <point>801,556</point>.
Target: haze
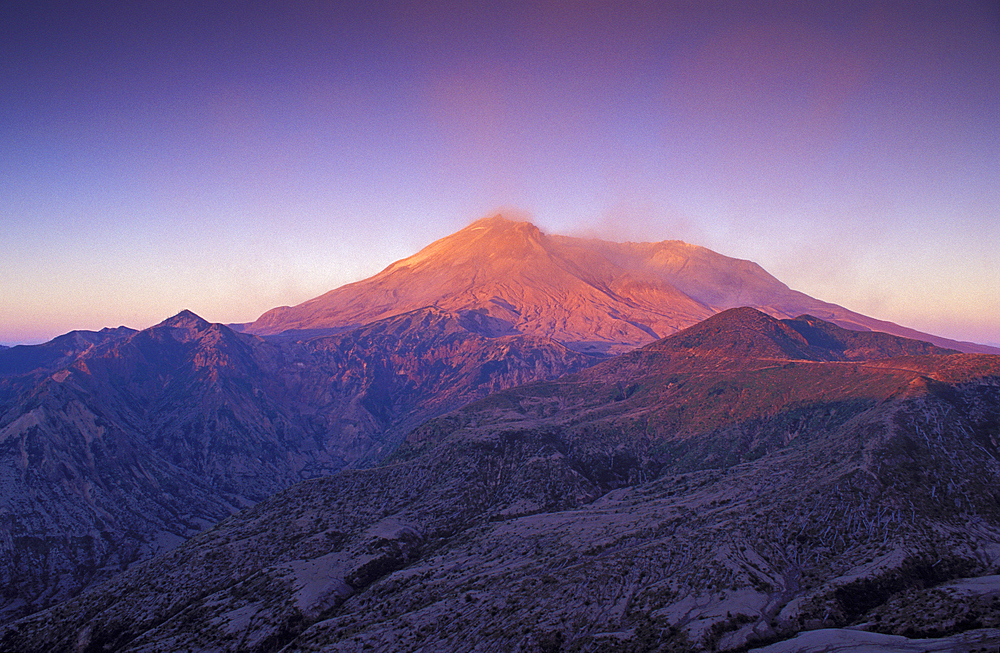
<point>229,158</point>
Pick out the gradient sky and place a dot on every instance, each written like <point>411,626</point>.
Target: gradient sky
<point>229,157</point>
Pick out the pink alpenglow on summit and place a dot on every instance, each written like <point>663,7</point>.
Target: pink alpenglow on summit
<point>591,295</point>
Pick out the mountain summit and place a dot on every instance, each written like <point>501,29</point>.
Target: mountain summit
<point>529,282</point>
<point>591,295</point>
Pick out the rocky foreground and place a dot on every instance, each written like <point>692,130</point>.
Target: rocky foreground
<point>747,482</point>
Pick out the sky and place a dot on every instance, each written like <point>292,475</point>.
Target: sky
<point>230,157</point>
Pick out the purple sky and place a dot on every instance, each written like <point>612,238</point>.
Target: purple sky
<point>232,157</point>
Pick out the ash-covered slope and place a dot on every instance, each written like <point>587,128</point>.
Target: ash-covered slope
<point>591,295</point>
<point>673,499</point>
<point>369,386</point>
<point>141,439</point>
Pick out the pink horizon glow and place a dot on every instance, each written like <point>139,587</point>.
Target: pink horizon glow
<point>229,159</point>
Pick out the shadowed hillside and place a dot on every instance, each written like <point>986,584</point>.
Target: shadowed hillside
<point>122,444</point>
<point>672,499</point>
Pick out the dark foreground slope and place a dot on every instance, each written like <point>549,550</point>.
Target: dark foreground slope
<point>675,498</point>
<point>118,445</point>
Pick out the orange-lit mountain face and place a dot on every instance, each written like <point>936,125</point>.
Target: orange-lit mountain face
<point>591,295</point>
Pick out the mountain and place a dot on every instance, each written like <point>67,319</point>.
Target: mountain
<point>591,295</point>
<point>56,353</point>
<point>803,338</point>
<point>121,444</point>
<point>118,445</point>
<point>742,482</point>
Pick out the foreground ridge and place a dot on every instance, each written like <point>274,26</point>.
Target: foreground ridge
<point>741,482</point>
<point>117,445</point>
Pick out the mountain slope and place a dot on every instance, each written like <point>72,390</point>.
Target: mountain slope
<point>516,275</point>
<point>675,498</point>
<point>56,353</point>
<point>590,295</point>
<point>142,439</point>
<point>802,338</point>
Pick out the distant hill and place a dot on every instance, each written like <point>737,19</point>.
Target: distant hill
<point>591,295</point>
<point>57,352</point>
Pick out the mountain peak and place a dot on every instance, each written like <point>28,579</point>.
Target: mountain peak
<point>744,333</point>
<point>590,295</point>
<point>501,225</point>
<point>498,221</point>
<point>185,320</point>
<point>484,241</point>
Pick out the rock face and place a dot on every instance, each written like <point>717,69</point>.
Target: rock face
<point>591,295</point>
<point>120,444</point>
<point>740,482</point>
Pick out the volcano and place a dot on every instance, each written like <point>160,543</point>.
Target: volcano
<point>592,296</point>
